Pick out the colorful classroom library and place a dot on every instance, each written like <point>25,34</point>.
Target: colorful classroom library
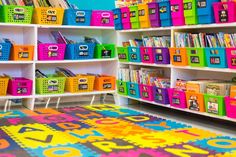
<point>144,78</point>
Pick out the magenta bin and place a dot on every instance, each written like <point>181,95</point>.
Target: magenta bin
<point>231,57</point>
<point>51,51</point>
<point>230,107</point>
<point>102,18</point>
<point>146,92</point>
<point>125,16</point>
<point>177,98</point>
<point>224,12</point>
<point>177,12</point>
<point>161,55</point>
<point>19,86</point>
<point>147,54</point>
<point>154,15</point>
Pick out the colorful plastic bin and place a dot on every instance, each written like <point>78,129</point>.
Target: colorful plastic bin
<point>122,88</point>
<point>51,51</point>
<point>22,53</point>
<point>161,95</point>
<point>134,19</point>
<point>195,101</point>
<point>81,51</point>
<point>3,85</point>
<point>205,11</point>
<point>104,83</point>
<point>216,57</point>
<point>178,56</point>
<point>230,104</point>
<point>123,54</point>
<point>104,51</point>
<point>102,18</point>
<point>51,85</point>
<point>161,55</point>
<point>117,19</point>
<point>5,49</point>
<point>144,16</point>
<point>177,98</point>
<point>196,57</point>
<point>165,13</point>
<point>134,54</point>
<point>48,16</point>
<point>154,14</point>
<point>19,86</point>
<point>231,57</point>
<point>133,90</point>
<point>147,55</point>
<point>224,12</point>
<point>125,16</point>
<point>77,17</point>
<point>215,104</point>
<point>16,14</point>
<point>146,92</point>
<point>177,12</point>
<point>190,12</point>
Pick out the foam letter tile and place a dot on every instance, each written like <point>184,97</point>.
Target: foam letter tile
<point>43,111</point>
<point>119,113</point>
<point>15,153</point>
<point>7,144</point>
<point>12,114</point>
<point>58,118</point>
<point>88,115</point>
<point>102,107</point>
<point>75,109</point>
<point>69,126</point>
<point>141,118</point>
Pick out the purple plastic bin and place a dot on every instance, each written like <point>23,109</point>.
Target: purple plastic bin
<point>125,15</point>
<point>51,51</point>
<point>161,95</point>
<point>177,98</point>
<point>161,55</point>
<point>146,92</point>
<point>154,14</point>
<point>177,12</point>
<point>19,86</point>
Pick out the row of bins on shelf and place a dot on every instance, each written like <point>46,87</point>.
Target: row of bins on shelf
<point>19,86</point>
<point>180,99</point>
<point>56,51</point>
<point>195,57</point>
<point>174,12</point>
<point>55,16</point>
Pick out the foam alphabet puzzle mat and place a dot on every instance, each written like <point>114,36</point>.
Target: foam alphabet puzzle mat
<point>105,130</point>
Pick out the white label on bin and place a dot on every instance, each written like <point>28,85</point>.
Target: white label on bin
<point>51,12</point>
<point>19,10</point>
<point>53,48</point>
<point>53,82</point>
<point>80,13</point>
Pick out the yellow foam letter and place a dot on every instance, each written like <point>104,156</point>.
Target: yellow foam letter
<point>216,143</point>
<point>68,152</point>
<point>107,146</point>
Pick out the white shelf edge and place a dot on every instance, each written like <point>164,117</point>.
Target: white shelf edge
<point>75,61</point>
<point>16,97</point>
<point>145,30</point>
<point>146,64</point>
<point>16,62</point>
<point>184,110</point>
<point>76,27</point>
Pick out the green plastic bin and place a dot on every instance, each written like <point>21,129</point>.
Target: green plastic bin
<point>196,57</point>
<point>190,12</point>
<point>16,14</point>
<point>134,19</point>
<point>103,51</point>
<point>122,87</point>
<point>215,104</point>
<point>123,54</point>
<point>51,85</point>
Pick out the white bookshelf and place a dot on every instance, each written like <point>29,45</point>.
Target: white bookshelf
<point>30,34</point>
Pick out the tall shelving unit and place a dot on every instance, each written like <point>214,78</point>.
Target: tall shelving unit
<point>30,34</point>
<point>178,72</point>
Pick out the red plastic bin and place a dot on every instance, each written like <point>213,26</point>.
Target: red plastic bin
<point>147,54</point>
<point>177,98</point>
<point>230,104</point>
<point>51,51</point>
<point>146,92</point>
<point>19,86</point>
<point>224,12</point>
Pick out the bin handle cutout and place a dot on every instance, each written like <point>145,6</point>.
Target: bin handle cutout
<point>83,80</point>
<point>83,47</point>
<point>53,48</point>
<point>19,10</point>
<point>106,15</point>
<point>80,13</point>
<point>0,47</point>
<point>53,82</point>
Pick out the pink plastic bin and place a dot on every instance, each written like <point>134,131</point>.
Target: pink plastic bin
<point>19,86</point>
<point>102,18</point>
<point>51,51</point>
<point>146,92</point>
<point>125,16</point>
<point>224,12</point>
<point>177,98</point>
<point>230,107</point>
<point>231,57</point>
<point>177,12</point>
<point>147,54</point>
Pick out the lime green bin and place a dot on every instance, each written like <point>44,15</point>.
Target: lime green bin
<point>190,12</point>
<point>134,19</point>
<point>196,57</point>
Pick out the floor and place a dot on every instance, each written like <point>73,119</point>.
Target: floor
<point>106,131</point>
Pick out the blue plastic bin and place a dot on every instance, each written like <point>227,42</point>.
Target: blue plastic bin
<point>133,90</point>
<point>216,57</point>
<point>134,54</point>
<point>5,49</point>
<point>117,19</point>
<point>77,17</point>
<point>165,13</point>
<point>81,51</point>
<point>205,11</point>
